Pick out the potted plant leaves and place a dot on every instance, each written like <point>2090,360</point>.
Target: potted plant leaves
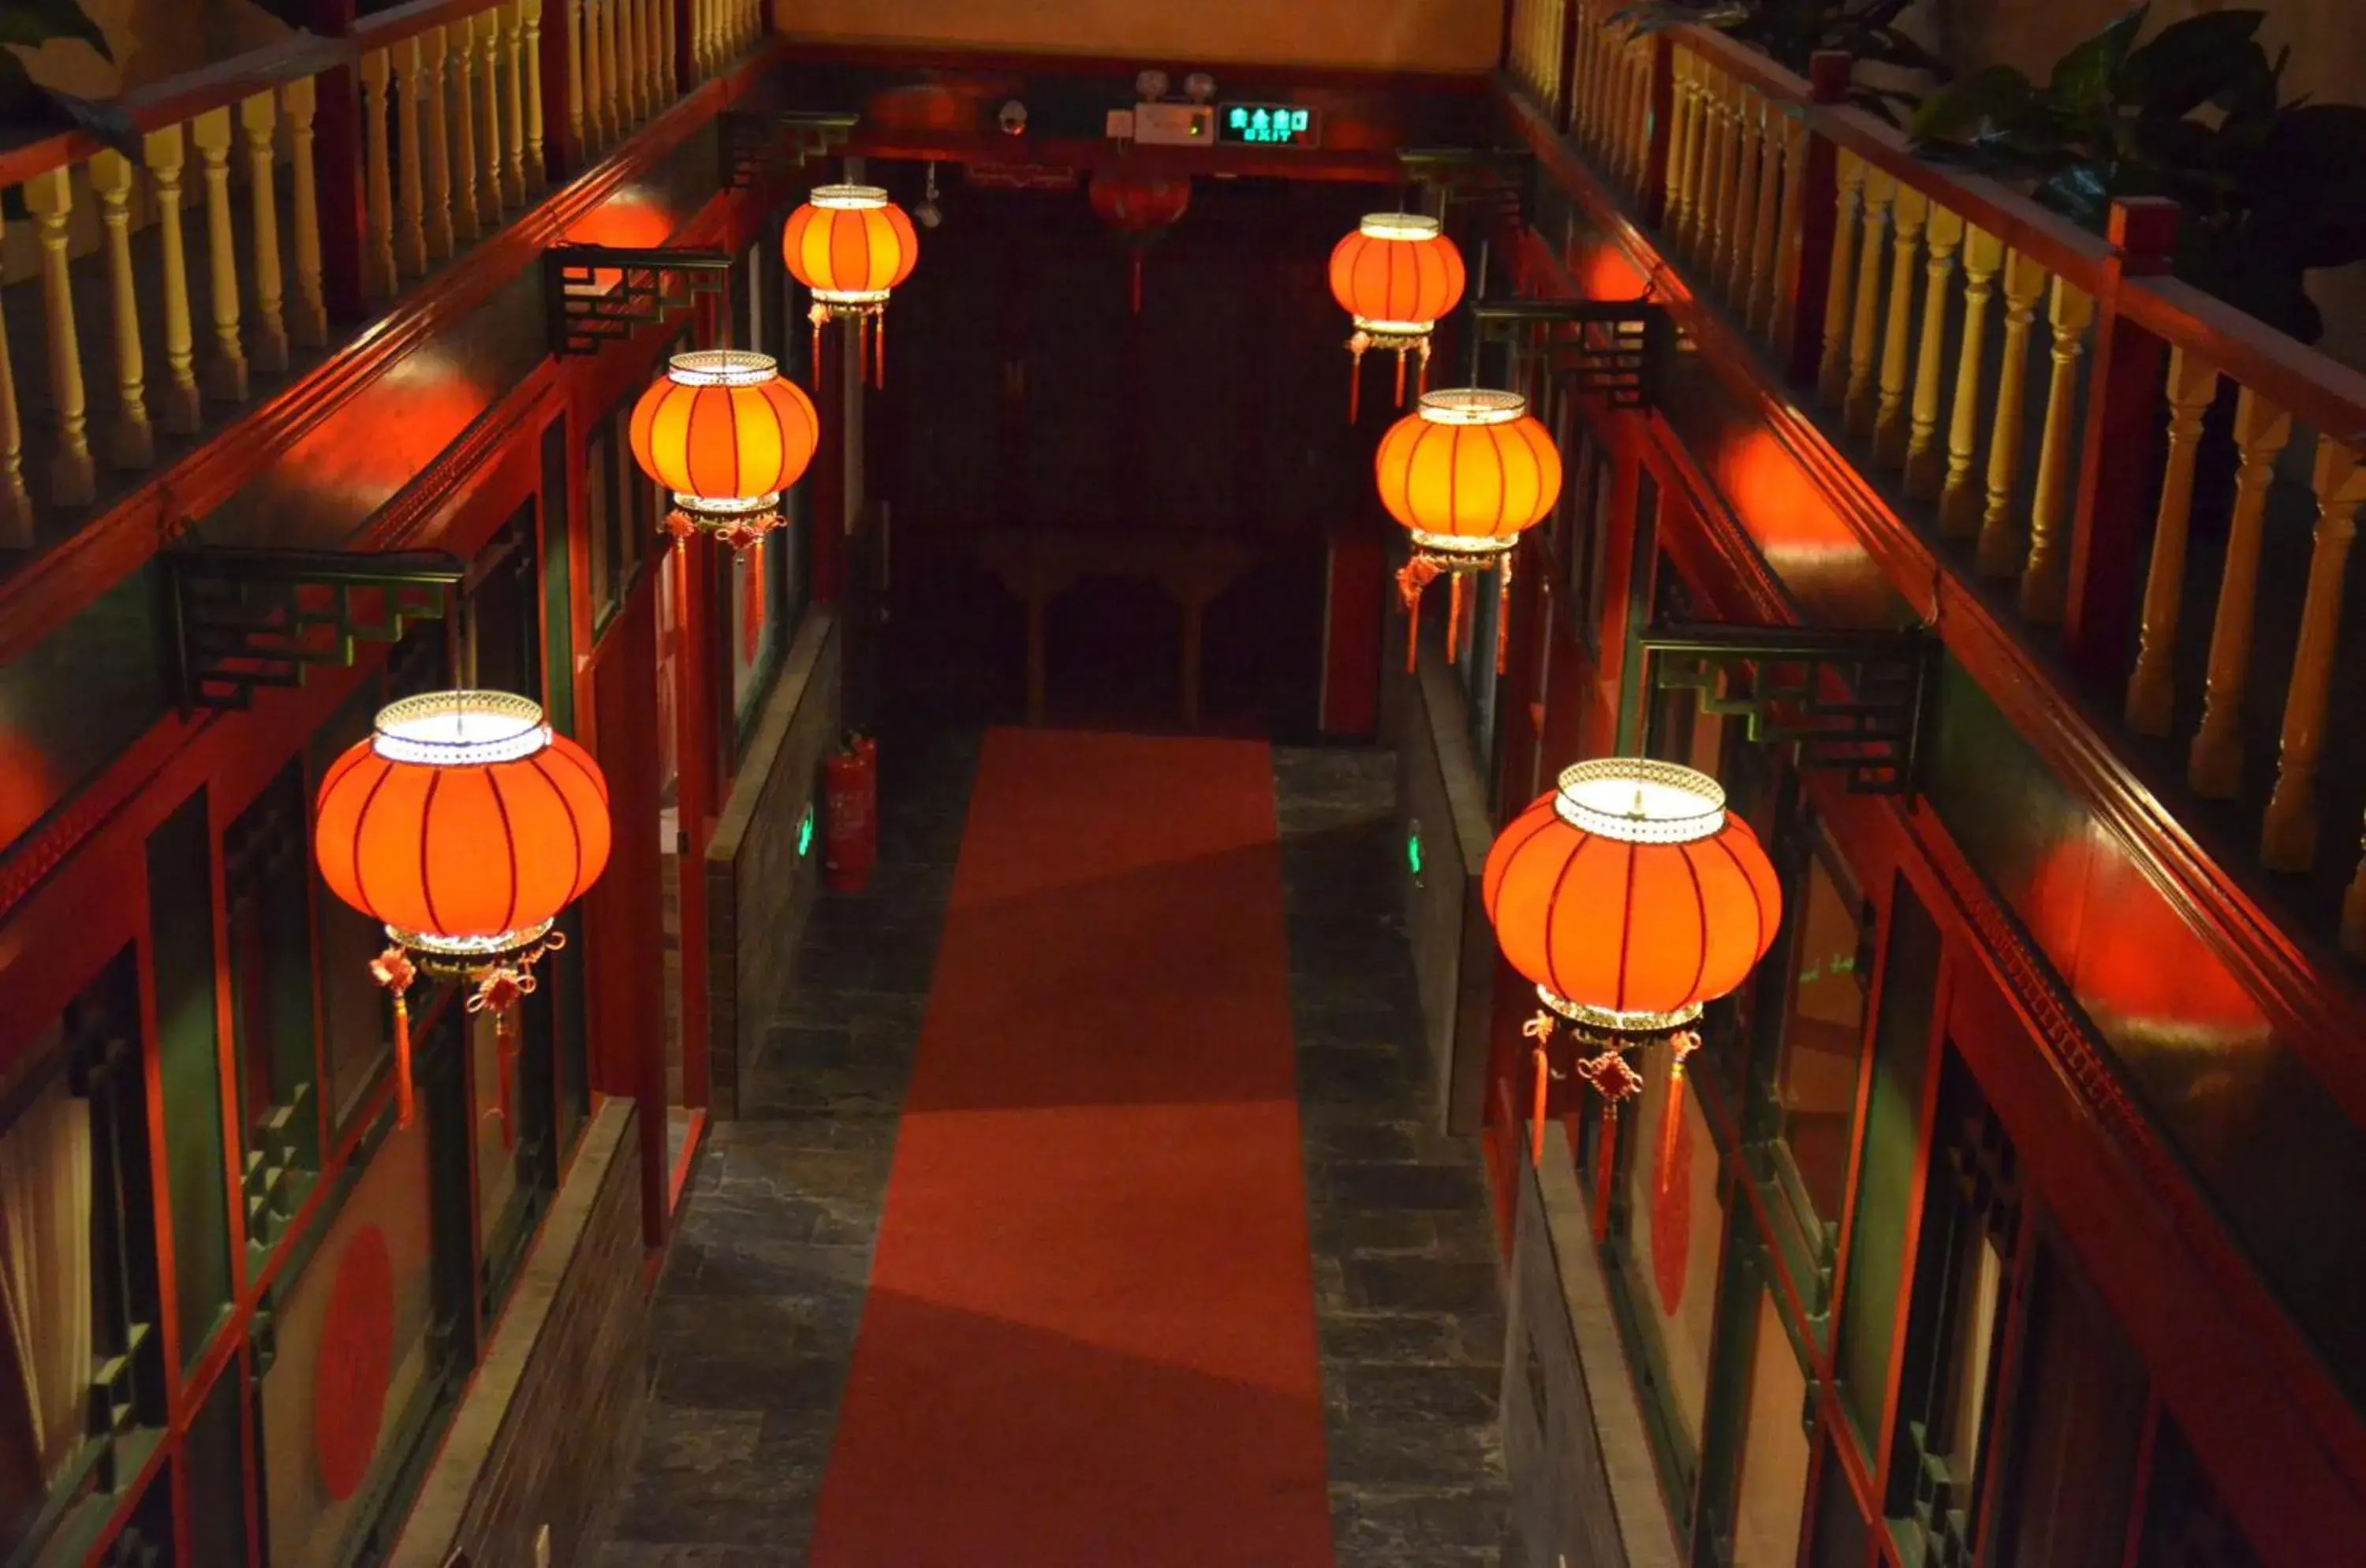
<point>27,109</point>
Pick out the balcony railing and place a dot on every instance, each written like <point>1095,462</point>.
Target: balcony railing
<point>2034,399</point>
<point>146,300</point>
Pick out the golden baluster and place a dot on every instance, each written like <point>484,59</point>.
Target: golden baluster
<point>434,70</point>
<point>2193,385</point>
<point>131,443</point>
<point>1783,314</point>
<point>1910,211</point>
<point>1960,499</point>
<point>570,16</point>
<point>1925,461</point>
<point>1865,324</point>
<point>659,54</point>
<point>460,40</point>
<point>2214,765</point>
<point>176,400</point>
<point>2044,580</point>
<point>512,30</point>
<point>1999,551</point>
<point>258,118</point>
<point>378,174</point>
<point>488,38</point>
<point>224,374</point>
<point>1749,153</point>
<point>2288,836</point>
<point>599,60</point>
<point>632,79</point>
<point>1683,142</point>
<point>1634,104</point>
<point>73,475</point>
<point>537,174</point>
<point>1832,374</point>
<point>710,37</point>
<point>411,74</point>
<point>16,501</point>
<point>1758,274</point>
<point>309,317</point>
<point>1585,111</point>
<point>1723,198</point>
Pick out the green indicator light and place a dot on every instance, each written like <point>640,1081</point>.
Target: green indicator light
<point>804,833</point>
<point>1413,852</point>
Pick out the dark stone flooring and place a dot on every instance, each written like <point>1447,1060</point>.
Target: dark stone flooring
<point>757,1310</point>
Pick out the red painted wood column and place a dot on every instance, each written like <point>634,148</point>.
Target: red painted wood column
<point>1828,77</point>
<point>337,137</point>
<point>2114,505</point>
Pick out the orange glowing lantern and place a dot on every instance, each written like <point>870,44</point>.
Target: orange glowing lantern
<point>1397,276</point>
<point>1467,472</point>
<point>726,434</point>
<point>1142,208</point>
<point>851,247</point>
<point>1629,897</point>
<point>465,827</point>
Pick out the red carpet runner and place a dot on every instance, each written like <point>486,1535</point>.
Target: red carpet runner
<point>1090,1337</point>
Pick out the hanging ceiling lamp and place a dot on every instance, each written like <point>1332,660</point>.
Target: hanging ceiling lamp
<point>1629,896</point>
<point>851,247</point>
<point>1142,208</point>
<point>1398,275</point>
<point>1467,472</point>
<point>465,827</point>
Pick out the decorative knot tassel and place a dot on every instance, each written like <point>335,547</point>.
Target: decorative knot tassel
<point>1504,615</point>
<point>1421,383</point>
<point>1400,359</point>
<point>1672,1119</point>
<point>817,315</point>
<point>404,1109</point>
<point>1605,1169</point>
<point>1537,1112</point>
<point>879,351</point>
<point>505,1052</point>
<point>751,636</point>
<point>1453,617</point>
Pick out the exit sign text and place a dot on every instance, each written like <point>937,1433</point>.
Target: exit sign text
<point>1267,124</point>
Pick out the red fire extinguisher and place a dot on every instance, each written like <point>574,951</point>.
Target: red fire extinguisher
<point>851,787</point>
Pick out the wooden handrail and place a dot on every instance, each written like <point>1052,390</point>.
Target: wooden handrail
<point>180,98</point>
<point>2314,388</point>
<point>1748,66</point>
<point>392,27</point>
<point>2056,244</point>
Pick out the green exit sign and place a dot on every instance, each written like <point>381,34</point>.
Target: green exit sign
<point>1268,125</point>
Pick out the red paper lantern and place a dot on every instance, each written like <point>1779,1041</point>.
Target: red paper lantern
<point>726,434</point>
<point>465,827</point>
<point>1397,276</point>
<point>1467,473</point>
<point>1629,898</point>
<point>1142,208</point>
<point>851,247</point>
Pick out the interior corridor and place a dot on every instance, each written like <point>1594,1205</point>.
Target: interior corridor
<point>1087,1209</point>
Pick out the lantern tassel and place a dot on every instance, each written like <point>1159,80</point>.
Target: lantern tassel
<point>1606,1166</point>
<point>817,315</point>
<point>403,1107</point>
<point>1537,1112</point>
<point>1503,614</point>
<point>752,633</point>
<point>1672,1118</point>
<point>505,1052</point>
<point>1422,366</point>
<point>1400,359</point>
<point>1453,617</point>
<point>1411,578</point>
<point>1355,346</point>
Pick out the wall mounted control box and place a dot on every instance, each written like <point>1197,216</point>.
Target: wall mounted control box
<point>1174,125</point>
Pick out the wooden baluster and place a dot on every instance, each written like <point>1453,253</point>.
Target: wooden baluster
<point>436,130</point>
<point>1749,154</point>
<point>73,475</point>
<point>1684,145</point>
<point>1708,174</point>
<point>414,84</point>
<point>537,174</point>
<point>131,442</point>
<point>224,374</point>
<point>658,14</point>
<point>2044,579</point>
<point>2192,384</point>
<point>1911,210</point>
<point>1635,74</point>
<point>577,85</point>
<point>1832,377</point>
<point>1812,256</point>
<point>1758,277</point>
<point>597,60</point>
<point>1925,460</point>
<point>459,41</point>
<point>1865,322</point>
<point>1726,192</point>
<point>513,68</point>
<point>1960,499</point>
<point>2214,765</point>
<point>632,78</point>
<point>307,323</point>
<point>1586,119</point>
<point>709,38</point>
<point>258,117</point>
<point>176,400</point>
<point>489,104</point>
<point>16,501</point>
<point>2288,836</point>
<point>378,170</point>
<point>1999,549</point>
